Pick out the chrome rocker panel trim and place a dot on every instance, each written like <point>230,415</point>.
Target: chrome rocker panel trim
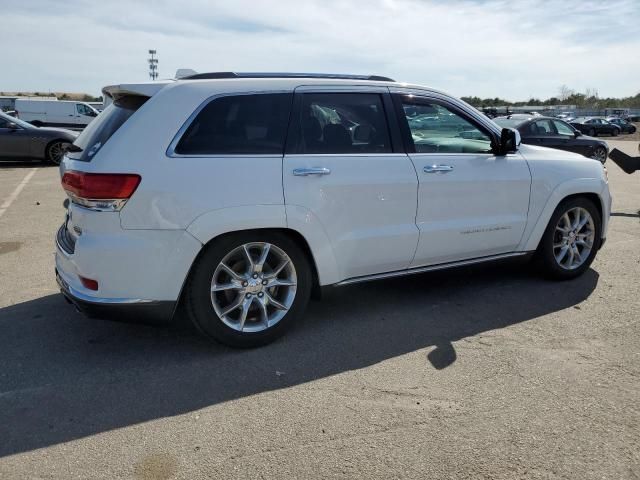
<point>430,268</point>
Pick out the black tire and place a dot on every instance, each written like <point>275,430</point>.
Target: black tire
<point>545,257</point>
<point>55,151</point>
<point>198,297</point>
<point>615,132</point>
<point>592,132</point>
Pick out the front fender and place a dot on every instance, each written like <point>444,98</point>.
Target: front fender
<point>535,228</point>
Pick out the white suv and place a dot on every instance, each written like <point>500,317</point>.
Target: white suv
<point>241,194</point>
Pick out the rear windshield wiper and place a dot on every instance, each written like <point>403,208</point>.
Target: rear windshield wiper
<point>73,148</point>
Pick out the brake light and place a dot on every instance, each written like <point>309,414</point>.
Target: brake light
<point>100,191</point>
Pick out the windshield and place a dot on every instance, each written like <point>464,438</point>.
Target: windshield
<point>505,122</point>
<point>96,134</point>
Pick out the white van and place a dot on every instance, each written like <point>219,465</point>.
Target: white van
<point>55,113</point>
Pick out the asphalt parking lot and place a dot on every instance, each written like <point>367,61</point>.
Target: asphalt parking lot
<point>484,372</point>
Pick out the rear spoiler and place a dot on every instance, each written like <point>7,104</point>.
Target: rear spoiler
<point>147,89</point>
<point>626,162</point>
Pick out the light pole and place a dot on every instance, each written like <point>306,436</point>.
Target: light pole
<point>153,65</point>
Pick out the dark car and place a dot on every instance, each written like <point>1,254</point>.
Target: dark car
<point>625,126</point>
<point>555,133</point>
<point>594,126</point>
<point>21,140</point>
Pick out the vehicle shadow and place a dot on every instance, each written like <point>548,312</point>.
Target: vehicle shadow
<point>65,377</point>
<point>25,164</point>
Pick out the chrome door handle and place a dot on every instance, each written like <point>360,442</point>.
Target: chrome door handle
<point>438,169</point>
<point>303,172</point>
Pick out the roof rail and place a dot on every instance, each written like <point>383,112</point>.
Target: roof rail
<point>222,75</point>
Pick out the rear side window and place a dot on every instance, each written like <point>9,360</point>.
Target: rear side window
<point>96,134</point>
<point>239,124</point>
<point>541,128</point>
<point>343,123</point>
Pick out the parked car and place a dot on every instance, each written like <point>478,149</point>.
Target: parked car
<point>565,116</point>
<point>594,126</point>
<point>625,126</point>
<point>554,133</point>
<point>21,140</point>
<point>241,194</point>
<point>55,113</point>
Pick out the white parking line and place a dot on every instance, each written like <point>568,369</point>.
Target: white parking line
<point>7,203</point>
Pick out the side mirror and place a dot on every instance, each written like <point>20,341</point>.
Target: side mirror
<point>577,133</point>
<point>12,126</point>
<point>509,141</point>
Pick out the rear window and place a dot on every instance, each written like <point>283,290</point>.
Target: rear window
<point>240,124</point>
<point>505,122</point>
<point>96,134</point>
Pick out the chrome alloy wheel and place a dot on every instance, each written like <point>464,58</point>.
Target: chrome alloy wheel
<point>573,238</point>
<point>253,287</point>
<point>57,151</point>
<point>599,154</point>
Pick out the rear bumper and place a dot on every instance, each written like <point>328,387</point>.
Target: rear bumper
<point>132,309</point>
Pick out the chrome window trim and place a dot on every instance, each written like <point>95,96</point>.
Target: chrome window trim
<point>171,149</point>
<point>323,155</point>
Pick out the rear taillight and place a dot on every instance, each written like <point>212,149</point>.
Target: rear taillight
<point>100,191</point>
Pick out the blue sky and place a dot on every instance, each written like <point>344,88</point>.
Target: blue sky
<point>510,49</point>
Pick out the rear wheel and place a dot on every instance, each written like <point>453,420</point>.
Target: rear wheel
<point>615,132</point>
<point>56,150</point>
<point>247,289</point>
<point>592,132</point>
<point>571,240</point>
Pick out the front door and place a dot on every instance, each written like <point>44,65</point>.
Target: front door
<point>14,141</point>
<point>471,202</point>
<point>342,170</point>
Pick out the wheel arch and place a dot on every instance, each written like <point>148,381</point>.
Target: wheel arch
<point>296,236</point>
<point>589,188</point>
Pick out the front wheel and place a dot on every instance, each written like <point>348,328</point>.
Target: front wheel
<point>247,289</point>
<point>615,132</point>
<point>571,240</point>
<point>591,132</point>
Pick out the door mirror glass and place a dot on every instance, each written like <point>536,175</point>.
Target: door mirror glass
<point>509,141</point>
<point>12,126</point>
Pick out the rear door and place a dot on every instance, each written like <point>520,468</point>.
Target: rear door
<point>345,168</point>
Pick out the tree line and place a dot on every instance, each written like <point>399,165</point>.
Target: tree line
<point>566,96</point>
